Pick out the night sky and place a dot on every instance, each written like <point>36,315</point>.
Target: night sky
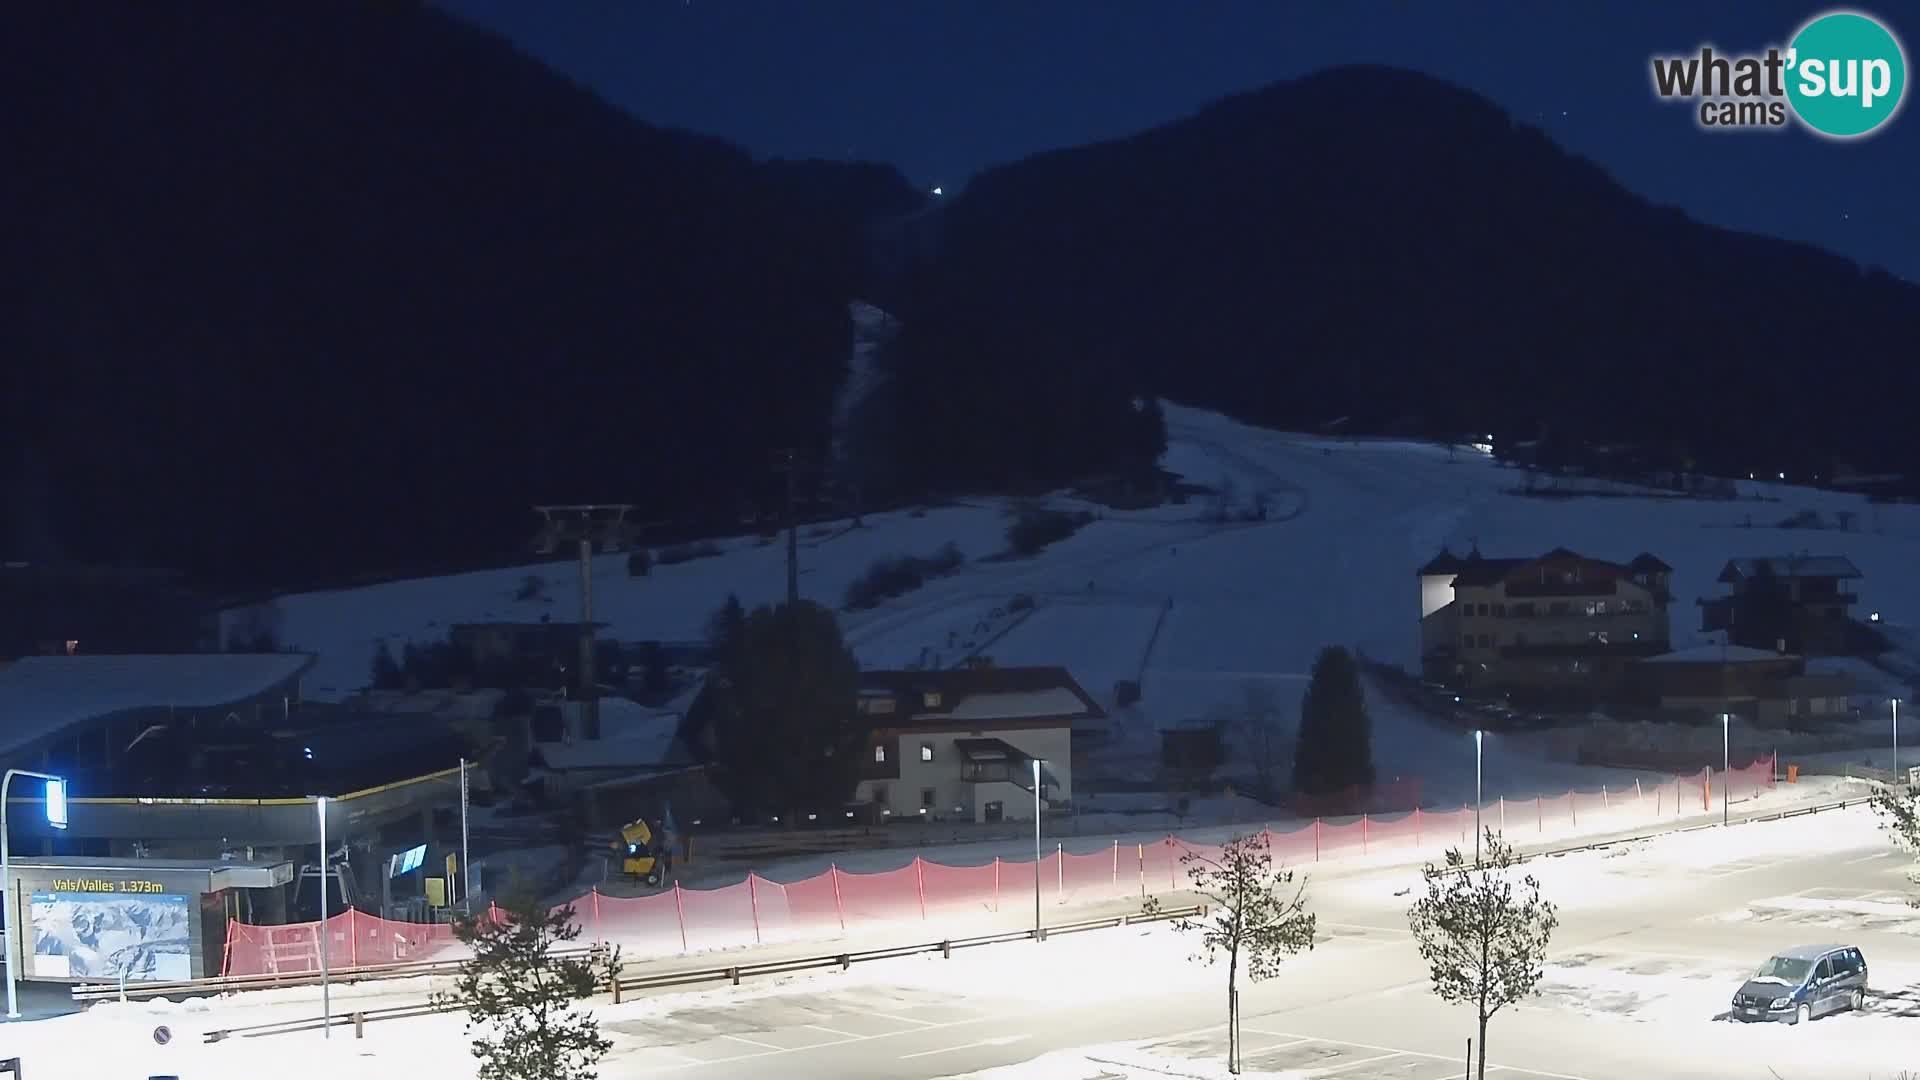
<point>945,88</point>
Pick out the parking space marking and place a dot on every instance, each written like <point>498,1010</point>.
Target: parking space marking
<point>1867,858</point>
<point>833,1031</point>
<point>1388,1051</point>
<point>1331,1069</point>
<point>750,1042</point>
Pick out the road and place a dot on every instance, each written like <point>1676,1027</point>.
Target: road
<point>1652,941</point>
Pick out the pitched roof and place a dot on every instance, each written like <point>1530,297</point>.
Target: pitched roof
<point>1444,563</point>
<point>41,695</point>
<point>1835,566</point>
<point>1647,563</point>
<point>1487,571</point>
<point>986,693</point>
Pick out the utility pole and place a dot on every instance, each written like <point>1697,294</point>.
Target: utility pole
<point>788,462</point>
<point>590,525</point>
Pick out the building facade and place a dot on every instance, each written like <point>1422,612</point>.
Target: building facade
<point>960,744</point>
<point>1767,689</point>
<point>1551,625</point>
<point>1810,610</point>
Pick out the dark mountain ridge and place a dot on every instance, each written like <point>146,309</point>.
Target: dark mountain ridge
<point>1378,244</point>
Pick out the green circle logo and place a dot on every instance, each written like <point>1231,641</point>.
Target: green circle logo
<point>1846,74</point>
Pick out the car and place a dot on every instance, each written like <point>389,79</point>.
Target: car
<point>1803,982</point>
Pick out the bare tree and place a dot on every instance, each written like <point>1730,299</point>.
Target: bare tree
<point>1250,918</point>
<point>1265,736</point>
<point>1483,935</point>
<point>1900,817</point>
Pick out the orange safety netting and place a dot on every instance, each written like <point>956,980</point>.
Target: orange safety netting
<point>758,910</point>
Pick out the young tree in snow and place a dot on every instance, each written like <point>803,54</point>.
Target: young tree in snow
<point>519,997</point>
<point>1483,935</point>
<point>1251,919</point>
<point>1265,737</point>
<point>1336,735</point>
<point>1900,816</point>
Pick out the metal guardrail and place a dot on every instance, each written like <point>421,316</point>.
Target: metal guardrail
<point>730,974</point>
<point>1778,815</point>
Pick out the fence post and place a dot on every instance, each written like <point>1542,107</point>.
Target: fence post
<point>353,937</point>
<point>1639,797</point>
<point>1059,873</point>
<point>226,951</point>
<point>753,903</point>
<point>1573,806</point>
<point>1605,802</point>
<point>833,872</point>
<point>1539,815</point>
<point>597,934</point>
<point>1116,867</point>
<point>996,883</point>
<point>1141,851</point>
<point>1170,863</point>
<point>1503,815</point>
<point>1363,834</point>
<point>1416,827</point>
<point>920,887</point>
<point>1316,839</point>
<point>1706,788</point>
<point>680,909</point>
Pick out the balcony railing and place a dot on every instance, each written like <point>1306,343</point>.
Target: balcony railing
<point>999,772</point>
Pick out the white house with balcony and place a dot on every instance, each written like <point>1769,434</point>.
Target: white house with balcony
<point>960,744</point>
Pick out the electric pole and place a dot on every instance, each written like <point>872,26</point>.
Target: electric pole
<point>592,525</point>
<point>788,462</point>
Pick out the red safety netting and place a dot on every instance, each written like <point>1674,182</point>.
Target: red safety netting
<point>353,939</point>
<point>758,910</point>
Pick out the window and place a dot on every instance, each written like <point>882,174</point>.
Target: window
<point>1523,609</point>
<point>1486,641</point>
<point>880,755</point>
<point>1499,611</point>
<point>1558,607</point>
<point>926,797</point>
<point>879,705</point>
<point>931,699</point>
<point>926,751</point>
<point>1467,642</point>
<point>1485,609</point>
<point>1825,970</point>
<point>1596,607</point>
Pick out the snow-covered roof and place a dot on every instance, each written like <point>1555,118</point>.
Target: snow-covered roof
<point>1019,704</point>
<point>632,736</point>
<point>1715,654</point>
<point>1836,566</point>
<point>42,695</point>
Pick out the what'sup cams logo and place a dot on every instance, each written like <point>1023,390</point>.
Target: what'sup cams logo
<point>1842,76</point>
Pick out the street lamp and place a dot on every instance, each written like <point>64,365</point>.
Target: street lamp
<point>1477,739</point>
<point>1727,763</point>
<point>326,990</point>
<point>56,817</point>
<point>1036,849</point>
<point>1896,740</point>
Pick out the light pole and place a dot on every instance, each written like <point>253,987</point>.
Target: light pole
<point>1477,738</point>
<point>57,817</point>
<point>466,875</point>
<point>1727,763</point>
<point>1036,849</point>
<point>326,990</point>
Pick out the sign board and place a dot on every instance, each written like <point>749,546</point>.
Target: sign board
<point>94,934</point>
<point>436,892</point>
<point>406,862</point>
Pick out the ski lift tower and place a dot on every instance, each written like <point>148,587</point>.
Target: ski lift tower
<point>590,526</point>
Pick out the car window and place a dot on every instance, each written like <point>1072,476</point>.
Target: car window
<point>1783,969</point>
<point>1826,969</point>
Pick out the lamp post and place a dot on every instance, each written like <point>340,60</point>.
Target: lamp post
<point>465,875</point>
<point>1036,849</point>
<point>326,990</point>
<point>1896,740</point>
<point>1477,739</point>
<point>1727,763</point>
<point>57,817</point>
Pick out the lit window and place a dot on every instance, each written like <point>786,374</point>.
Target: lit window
<point>880,754</point>
<point>926,751</point>
<point>932,699</point>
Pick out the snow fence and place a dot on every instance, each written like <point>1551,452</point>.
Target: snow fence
<point>840,903</point>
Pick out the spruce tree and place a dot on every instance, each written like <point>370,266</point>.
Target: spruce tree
<point>1336,735</point>
<point>519,996</point>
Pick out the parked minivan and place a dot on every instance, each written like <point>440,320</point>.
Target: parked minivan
<point>1804,982</point>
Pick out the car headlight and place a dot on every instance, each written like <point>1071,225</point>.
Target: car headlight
<point>1781,1003</point>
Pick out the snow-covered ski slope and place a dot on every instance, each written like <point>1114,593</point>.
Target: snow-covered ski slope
<point>1335,562</point>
